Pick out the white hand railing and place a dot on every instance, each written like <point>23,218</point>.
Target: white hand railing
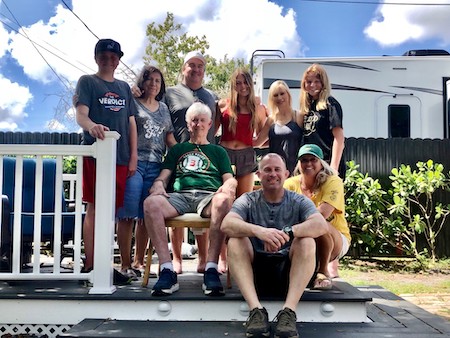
<point>105,153</point>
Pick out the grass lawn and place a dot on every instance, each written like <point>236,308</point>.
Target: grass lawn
<point>397,275</point>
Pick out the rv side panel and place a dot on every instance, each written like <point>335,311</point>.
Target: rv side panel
<point>379,96</point>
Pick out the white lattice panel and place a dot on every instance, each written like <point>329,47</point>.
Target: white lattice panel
<point>35,330</point>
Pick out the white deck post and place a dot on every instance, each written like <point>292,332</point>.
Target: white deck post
<point>105,200</point>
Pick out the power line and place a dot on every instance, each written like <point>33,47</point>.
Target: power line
<point>360,2</point>
<point>87,27</point>
<point>47,50</point>
<point>34,43</point>
<point>34,46</point>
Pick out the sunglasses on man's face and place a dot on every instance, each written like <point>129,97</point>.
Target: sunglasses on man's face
<point>312,159</point>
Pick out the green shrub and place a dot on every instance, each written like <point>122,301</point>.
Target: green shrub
<point>365,209</point>
<point>394,219</point>
<point>413,201</point>
<point>70,165</point>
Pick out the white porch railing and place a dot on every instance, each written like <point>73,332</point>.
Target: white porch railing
<point>105,153</point>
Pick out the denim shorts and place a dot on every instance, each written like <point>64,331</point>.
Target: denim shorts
<point>190,200</point>
<point>137,189</point>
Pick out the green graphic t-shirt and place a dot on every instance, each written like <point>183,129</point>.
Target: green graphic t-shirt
<point>197,166</point>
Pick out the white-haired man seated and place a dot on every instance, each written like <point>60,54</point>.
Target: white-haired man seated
<point>203,183</point>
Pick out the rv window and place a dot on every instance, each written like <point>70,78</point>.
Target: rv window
<point>399,120</point>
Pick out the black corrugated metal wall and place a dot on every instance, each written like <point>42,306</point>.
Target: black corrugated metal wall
<point>39,138</point>
<point>377,157</point>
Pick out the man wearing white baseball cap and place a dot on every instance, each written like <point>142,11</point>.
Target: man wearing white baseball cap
<point>195,54</point>
<point>190,89</point>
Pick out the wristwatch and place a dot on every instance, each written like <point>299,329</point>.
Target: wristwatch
<point>288,231</point>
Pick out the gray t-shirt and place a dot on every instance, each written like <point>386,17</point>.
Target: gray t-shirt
<point>110,104</point>
<point>179,98</point>
<point>152,128</point>
<point>253,208</point>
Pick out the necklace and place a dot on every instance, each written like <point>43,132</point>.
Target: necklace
<point>305,190</point>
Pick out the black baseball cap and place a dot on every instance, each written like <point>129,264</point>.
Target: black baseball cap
<point>108,45</point>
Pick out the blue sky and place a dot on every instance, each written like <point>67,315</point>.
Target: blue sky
<point>32,84</point>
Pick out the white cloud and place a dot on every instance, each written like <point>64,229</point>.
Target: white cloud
<point>233,27</point>
<point>238,33</point>
<point>3,41</point>
<point>397,24</point>
<point>59,41</point>
<point>229,31</point>
<point>13,101</point>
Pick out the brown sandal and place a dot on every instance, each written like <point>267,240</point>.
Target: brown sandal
<point>322,282</point>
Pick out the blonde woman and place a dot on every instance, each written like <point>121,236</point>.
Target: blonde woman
<point>319,182</point>
<point>323,122</point>
<point>322,116</point>
<point>286,132</point>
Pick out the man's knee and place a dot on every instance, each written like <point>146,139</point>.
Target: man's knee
<point>147,204</point>
<point>152,205</point>
<point>303,246</point>
<point>222,203</point>
<point>239,248</point>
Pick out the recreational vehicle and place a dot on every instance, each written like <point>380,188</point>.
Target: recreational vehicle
<point>383,97</point>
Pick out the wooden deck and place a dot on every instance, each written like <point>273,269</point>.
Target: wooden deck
<point>387,314</point>
<point>66,309</point>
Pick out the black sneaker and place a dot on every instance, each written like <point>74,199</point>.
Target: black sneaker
<point>212,286</point>
<point>166,284</point>
<point>257,323</point>
<point>286,324</point>
<point>120,279</point>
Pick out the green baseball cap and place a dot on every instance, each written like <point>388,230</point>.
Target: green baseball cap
<point>310,149</point>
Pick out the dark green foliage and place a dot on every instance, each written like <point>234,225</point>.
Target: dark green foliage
<point>393,220</point>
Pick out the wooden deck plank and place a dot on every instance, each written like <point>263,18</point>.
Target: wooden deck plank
<point>190,289</point>
<point>112,328</point>
<point>390,315</point>
<point>344,302</point>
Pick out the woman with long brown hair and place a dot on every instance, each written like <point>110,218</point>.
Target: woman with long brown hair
<point>322,116</point>
<point>244,124</point>
<point>243,118</point>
